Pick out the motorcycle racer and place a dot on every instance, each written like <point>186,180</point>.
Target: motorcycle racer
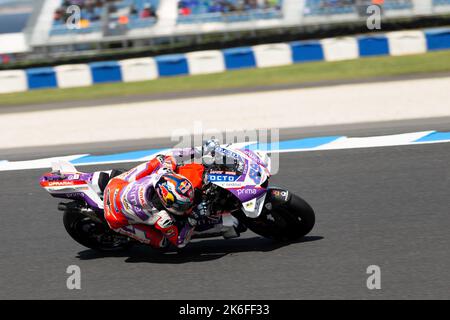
<point>232,180</point>
<point>140,202</point>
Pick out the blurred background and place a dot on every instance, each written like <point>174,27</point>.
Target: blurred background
<point>34,33</point>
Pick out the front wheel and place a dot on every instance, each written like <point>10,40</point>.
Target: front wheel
<point>92,234</point>
<point>289,221</point>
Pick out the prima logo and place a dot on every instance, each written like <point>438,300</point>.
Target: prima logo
<point>246,192</point>
<point>374,19</point>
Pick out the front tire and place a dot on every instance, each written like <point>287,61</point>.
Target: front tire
<point>92,234</point>
<point>285,222</point>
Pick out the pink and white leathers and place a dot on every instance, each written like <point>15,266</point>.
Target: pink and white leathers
<point>129,209</point>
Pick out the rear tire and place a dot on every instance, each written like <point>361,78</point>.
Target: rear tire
<point>287,222</point>
<point>92,234</point>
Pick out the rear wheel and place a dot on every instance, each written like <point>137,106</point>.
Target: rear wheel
<point>286,222</point>
<point>92,234</point>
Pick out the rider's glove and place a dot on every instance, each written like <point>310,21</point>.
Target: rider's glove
<point>201,211</point>
<point>191,221</point>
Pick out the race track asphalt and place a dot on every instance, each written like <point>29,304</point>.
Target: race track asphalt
<point>381,206</point>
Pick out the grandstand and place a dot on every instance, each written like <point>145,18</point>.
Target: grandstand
<point>228,11</point>
<point>121,24</point>
<point>337,7</point>
<point>120,15</point>
<point>14,16</point>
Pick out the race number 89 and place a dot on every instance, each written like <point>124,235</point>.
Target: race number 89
<point>255,173</point>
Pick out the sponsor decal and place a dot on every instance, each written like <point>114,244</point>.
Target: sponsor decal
<point>228,185</point>
<point>280,194</point>
<point>255,173</point>
<point>166,194</point>
<point>73,176</point>
<point>222,178</point>
<point>228,153</point>
<point>217,172</point>
<point>251,155</point>
<point>126,207</point>
<point>245,168</point>
<point>231,173</point>
<point>66,190</point>
<point>62,183</point>
<point>141,195</point>
<point>246,191</point>
<point>74,195</point>
<point>131,194</point>
<point>249,205</point>
<point>184,186</point>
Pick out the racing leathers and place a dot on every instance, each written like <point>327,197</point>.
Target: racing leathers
<point>132,208</point>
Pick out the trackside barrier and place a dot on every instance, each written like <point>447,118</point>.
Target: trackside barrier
<point>373,46</point>
<point>438,39</point>
<point>338,49</point>
<point>202,62</point>
<point>396,43</point>
<point>41,78</point>
<point>172,65</point>
<point>107,71</point>
<point>406,42</point>
<point>304,51</point>
<point>73,75</point>
<point>139,69</point>
<point>13,81</point>
<point>271,55</point>
<point>237,58</point>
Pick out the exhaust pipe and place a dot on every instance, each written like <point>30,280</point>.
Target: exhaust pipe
<point>62,206</point>
<point>73,206</point>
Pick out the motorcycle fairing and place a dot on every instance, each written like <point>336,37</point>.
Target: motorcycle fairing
<point>66,182</point>
<point>254,207</point>
<point>248,186</point>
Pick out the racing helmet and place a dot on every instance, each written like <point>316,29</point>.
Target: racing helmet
<point>175,192</point>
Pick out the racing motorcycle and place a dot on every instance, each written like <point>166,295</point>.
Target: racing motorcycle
<point>236,186</point>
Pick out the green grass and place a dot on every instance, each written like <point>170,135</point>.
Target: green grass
<point>294,74</point>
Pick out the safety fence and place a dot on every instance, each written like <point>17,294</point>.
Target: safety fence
<point>202,62</point>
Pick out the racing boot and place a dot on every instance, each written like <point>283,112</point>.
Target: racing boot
<point>145,234</point>
<point>186,232</point>
<point>230,227</point>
